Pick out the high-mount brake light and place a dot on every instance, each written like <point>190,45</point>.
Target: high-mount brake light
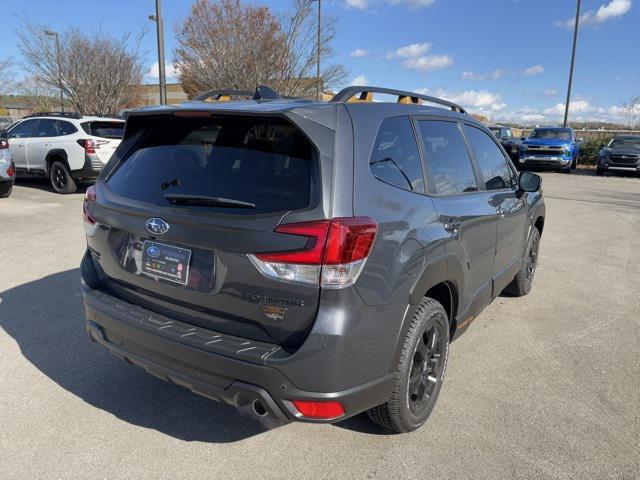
<point>333,256</point>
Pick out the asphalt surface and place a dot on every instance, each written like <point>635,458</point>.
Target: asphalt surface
<point>545,386</point>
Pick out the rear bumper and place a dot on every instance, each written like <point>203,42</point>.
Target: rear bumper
<point>221,367</point>
<point>90,170</point>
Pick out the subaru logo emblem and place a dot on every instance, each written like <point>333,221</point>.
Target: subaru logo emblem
<point>157,226</point>
<point>153,252</point>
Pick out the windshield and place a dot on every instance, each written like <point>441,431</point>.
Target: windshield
<point>495,131</point>
<point>625,142</point>
<point>551,133</point>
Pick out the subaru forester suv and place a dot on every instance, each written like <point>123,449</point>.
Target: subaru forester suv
<point>308,260</point>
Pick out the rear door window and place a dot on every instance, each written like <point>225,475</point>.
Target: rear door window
<point>103,129</point>
<point>395,159</point>
<point>65,128</point>
<point>266,162</point>
<point>449,167</point>
<point>495,171</point>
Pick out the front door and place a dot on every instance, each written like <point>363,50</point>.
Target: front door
<point>500,181</point>
<point>19,137</point>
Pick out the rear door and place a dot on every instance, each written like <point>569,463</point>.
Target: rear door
<point>500,181</point>
<point>465,210</point>
<point>19,137</point>
<point>198,270</point>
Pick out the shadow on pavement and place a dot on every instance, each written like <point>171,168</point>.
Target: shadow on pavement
<point>46,319</point>
<point>42,183</point>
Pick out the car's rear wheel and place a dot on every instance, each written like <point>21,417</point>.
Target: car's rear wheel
<point>521,283</point>
<point>5,189</point>
<point>61,179</point>
<point>600,171</point>
<point>420,371</point>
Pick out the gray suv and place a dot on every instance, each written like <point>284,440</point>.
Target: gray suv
<point>310,260</point>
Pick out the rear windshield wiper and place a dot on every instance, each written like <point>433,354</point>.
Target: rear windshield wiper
<point>205,201</point>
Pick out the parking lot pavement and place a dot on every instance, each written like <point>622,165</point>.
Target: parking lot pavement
<point>546,386</point>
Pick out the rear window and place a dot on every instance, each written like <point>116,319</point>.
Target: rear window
<point>264,162</point>
<point>104,129</point>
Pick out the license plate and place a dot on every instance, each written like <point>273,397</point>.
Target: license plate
<point>166,262</point>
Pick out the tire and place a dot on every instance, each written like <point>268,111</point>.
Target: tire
<point>566,170</point>
<point>5,189</point>
<point>599,172</point>
<point>574,163</point>
<point>521,283</point>
<point>61,179</point>
<point>423,358</point>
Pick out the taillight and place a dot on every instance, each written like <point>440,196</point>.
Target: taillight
<point>334,255</point>
<point>320,410</point>
<point>4,144</point>
<point>90,146</point>
<point>11,171</point>
<point>89,221</point>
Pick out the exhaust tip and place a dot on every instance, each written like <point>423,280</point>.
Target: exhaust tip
<point>259,409</point>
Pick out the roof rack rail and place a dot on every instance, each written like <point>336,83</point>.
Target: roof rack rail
<point>261,92</point>
<point>55,114</point>
<point>348,94</point>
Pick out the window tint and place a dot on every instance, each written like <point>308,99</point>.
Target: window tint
<point>22,130</point>
<point>395,159</point>
<point>46,128</point>
<point>65,128</point>
<point>267,162</point>
<point>448,164</point>
<point>494,169</point>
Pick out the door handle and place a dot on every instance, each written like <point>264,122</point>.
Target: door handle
<point>452,225</point>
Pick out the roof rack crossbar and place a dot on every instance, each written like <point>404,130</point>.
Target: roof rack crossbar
<point>55,114</point>
<point>261,92</point>
<point>347,93</point>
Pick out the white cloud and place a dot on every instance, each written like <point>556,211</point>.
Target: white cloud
<point>534,70</point>
<point>360,80</point>
<point>550,92</point>
<point>428,63</point>
<point>607,11</point>
<point>410,51</point>
<point>412,4</point>
<point>493,75</point>
<point>481,101</point>
<point>577,106</point>
<point>169,70</point>
<point>358,4</point>
<point>359,53</point>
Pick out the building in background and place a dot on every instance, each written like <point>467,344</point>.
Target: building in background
<point>149,95</point>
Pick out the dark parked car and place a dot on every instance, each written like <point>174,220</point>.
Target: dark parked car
<point>510,143</point>
<point>622,154</point>
<point>312,260</point>
<point>550,147</point>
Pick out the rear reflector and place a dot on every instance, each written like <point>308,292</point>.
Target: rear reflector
<point>333,256</point>
<point>319,410</point>
<point>11,171</point>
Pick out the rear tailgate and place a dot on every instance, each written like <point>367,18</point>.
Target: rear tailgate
<point>108,135</point>
<point>198,270</point>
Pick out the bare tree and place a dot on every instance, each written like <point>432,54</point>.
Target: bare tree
<point>95,70</point>
<point>6,76</point>
<point>40,95</point>
<point>630,112</point>
<point>227,44</point>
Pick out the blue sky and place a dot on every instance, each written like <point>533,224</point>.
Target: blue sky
<point>507,59</point>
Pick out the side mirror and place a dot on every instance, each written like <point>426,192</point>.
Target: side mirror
<point>528,182</point>
<point>602,145</point>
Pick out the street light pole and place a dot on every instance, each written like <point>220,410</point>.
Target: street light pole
<point>160,32</point>
<point>573,59</point>
<point>318,53</point>
<point>55,34</point>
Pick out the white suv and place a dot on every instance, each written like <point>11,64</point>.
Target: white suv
<point>67,148</point>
